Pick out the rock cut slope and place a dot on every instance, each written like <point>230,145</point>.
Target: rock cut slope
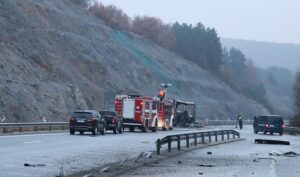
<point>56,57</point>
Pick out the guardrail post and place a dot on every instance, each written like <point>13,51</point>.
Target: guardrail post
<point>195,139</point>
<point>216,136</point>
<point>178,142</point>
<point>187,140</point>
<point>209,137</point>
<point>158,147</point>
<point>20,129</point>
<point>169,144</point>
<point>222,135</point>
<point>233,135</point>
<point>238,135</point>
<point>49,128</point>
<point>202,135</point>
<point>227,134</point>
<point>35,129</point>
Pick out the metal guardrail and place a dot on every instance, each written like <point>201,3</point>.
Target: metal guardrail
<point>225,122</point>
<point>32,127</point>
<point>292,130</point>
<point>195,136</point>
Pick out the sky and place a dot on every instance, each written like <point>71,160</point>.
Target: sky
<point>260,20</point>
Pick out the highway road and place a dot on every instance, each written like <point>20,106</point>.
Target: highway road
<point>83,152</point>
<point>238,159</point>
<point>73,153</point>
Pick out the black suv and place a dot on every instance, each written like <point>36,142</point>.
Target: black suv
<point>113,121</point>
<point>268,123</point>
<point>87,121</point>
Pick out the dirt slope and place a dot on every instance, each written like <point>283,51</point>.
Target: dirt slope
<point>56,57</point>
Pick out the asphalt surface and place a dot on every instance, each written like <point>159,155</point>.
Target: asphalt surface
<point>242,158</point>
<point>67,154</point>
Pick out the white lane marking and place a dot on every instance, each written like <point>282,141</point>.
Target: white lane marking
<point>31,142</point>
<point>31,135</point>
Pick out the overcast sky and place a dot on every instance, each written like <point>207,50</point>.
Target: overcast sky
<point>261,20</point>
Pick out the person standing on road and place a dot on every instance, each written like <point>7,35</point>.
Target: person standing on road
<point>240,120</point>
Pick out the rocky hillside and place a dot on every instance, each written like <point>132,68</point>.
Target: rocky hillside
<point>56,57</point>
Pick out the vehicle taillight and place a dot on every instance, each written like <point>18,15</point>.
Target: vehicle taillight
<point>283,125</point>
<point>91,121</point>
<point>72,121</point>
<point>116,101</point>
<point>267,125</point>
<point>113,120</point>
<point>137,107</point>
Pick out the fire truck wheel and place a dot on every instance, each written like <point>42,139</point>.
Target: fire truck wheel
<point>131,129</point>
<point>143,129</point>
<point>153,129</point>
<point>171,128</point>
<point>81,132</point>
<point>164,129</point>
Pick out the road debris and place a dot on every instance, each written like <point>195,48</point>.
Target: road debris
<point>266,141</point>
<point>106,169</point>
<point>263,158</point>
<point>34,165</point>
<point>287,154</point>
<point>179,162</point>
<point>88,175</point>
<point>124,160</point>
<point>209,153</point>
<point>143,154</point>
<point>204,165</point>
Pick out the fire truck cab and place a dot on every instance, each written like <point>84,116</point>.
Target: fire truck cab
<point>144,112</point>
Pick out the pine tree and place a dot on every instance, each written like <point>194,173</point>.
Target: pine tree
<point>295,121</point>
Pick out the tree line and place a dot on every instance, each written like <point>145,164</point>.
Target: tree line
<point>196,43</point>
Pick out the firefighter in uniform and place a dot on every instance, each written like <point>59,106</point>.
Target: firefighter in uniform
<point>161,94</point>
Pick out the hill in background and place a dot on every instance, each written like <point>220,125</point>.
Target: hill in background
<point>266,54</point>
<point>278,63</point>
<point>55,57</point>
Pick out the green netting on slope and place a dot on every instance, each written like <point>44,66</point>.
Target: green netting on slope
<point>134,49</point>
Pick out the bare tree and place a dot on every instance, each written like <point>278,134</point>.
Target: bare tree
<point>155,30</point>
<point>112,16</point>
<point>295,121</point>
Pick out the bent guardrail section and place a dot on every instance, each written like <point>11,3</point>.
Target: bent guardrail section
<point>32,127</point>
<point>202,136</point>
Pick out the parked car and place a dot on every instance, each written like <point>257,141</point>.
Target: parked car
<point>113,121</point>
<point>87,121</point>
<point>268,123</point>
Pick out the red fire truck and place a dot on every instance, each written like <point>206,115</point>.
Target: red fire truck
<point>145,112</point>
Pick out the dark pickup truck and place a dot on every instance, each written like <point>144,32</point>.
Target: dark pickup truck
<point>86,121</point>
<point>268,123</point>
<point>113,121</point>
